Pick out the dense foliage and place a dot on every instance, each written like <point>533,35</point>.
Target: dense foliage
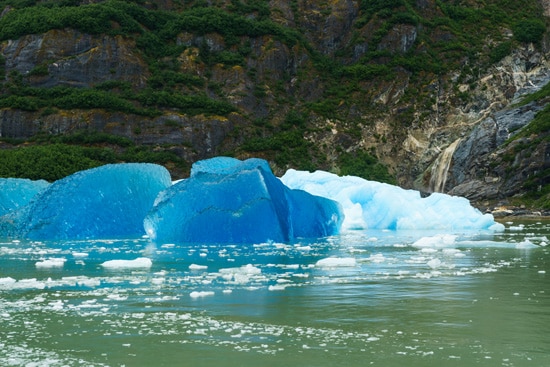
<point>54,157</point>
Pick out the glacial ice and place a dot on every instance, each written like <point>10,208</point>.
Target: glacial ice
<point>226,200</point>
<point>375,205</point>
<point>104,202</point>
<point>17,192</point>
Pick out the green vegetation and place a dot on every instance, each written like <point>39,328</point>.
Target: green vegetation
<point>50,162</point>
<point>287,145</point>
<point>541,122</point>
<point>54,157</point>
<point>364,165</point>
<point>529,30</point>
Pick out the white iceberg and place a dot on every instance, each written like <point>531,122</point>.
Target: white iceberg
<point>375,205</point>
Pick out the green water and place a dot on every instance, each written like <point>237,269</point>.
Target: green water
<point>461,299</point>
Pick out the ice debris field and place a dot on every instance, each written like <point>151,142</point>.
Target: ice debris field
<point>225,200</point>
<point>120,265</point>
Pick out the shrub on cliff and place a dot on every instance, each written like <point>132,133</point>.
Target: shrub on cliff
<point>529,30</point>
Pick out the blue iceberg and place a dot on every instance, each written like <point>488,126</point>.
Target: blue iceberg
<point>375,205</point>
<point>104,202</point>
<point>18,192</point>
<point>226,200</point>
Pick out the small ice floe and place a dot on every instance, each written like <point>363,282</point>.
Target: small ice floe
<point>80,255</point>
<point>526,244</point>
<point>335,262</point>
<point>51,263</point>
<point>7,282</point>
<point>442,240</point>
<point>200,294</point>
<point>197,267</point>
<point>434,263</point>
<point>520,227</point>
<point>139,263</point>
<point>377,258</point>
<point>277,287</point>
<point>241,275</point>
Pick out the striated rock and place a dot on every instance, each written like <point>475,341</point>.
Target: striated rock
<point>75,59</point>
<point>197,136</point>
<point>400,39</point>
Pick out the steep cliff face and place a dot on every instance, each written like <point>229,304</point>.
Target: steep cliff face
<point>481,162</point>
<point>426,87</point>
<point>74,59</point>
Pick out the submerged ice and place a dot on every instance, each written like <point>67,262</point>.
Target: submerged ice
<point>375,205</point>
<point>227,200</point>
<point>103,202</point>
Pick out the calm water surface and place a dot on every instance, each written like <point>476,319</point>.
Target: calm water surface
<point>381,299</point>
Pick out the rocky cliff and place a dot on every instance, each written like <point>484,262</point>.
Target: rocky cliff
<point>426,88</point>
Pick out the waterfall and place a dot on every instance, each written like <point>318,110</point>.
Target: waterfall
<point>440,167</point>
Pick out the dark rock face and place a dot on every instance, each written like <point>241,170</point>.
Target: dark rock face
<point>478,169</point>
<point>74,59</point>
<point>197,136</point>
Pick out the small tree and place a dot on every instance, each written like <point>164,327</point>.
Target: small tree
<point>530,30</point>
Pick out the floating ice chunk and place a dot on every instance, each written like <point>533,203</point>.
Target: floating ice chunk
<point>334,262</point>
<point>199,294</point>
<point>438,241</point>
<point>17,192</point>
<point>139,263</point>
<point>526,244</point>
<point>227,200</point>
<point>240,275</point>
<point>434,263</point>
<point>245,269</point>
<point>7,282</point>
<point>51,263</point>
<point>377,258</point>
<point>277,287</point>
<point>369,204</point>
<point>197,267</point>
<point>103,202</point>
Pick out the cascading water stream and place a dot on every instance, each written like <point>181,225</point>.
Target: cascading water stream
<point>441,166</point>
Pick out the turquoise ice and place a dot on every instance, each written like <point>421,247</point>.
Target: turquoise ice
<point>104,202</point>
<point>226,200</point>
<point>17,192</point>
